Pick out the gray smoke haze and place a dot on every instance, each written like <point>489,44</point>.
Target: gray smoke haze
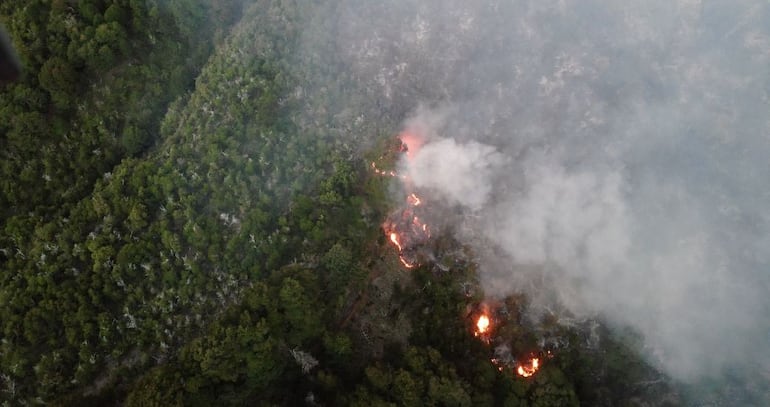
<point>617,149</point>
<point>452,171</point>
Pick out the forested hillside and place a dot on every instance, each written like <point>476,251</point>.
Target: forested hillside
<point>189,217</point>
<point>98,77</point>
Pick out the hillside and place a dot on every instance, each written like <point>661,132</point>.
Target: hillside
<point>194,213</point>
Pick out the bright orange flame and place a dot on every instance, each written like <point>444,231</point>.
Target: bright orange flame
<point>482,325</point>
<point>394,239</point>
<point>405,263</point>
<point>527,371</point>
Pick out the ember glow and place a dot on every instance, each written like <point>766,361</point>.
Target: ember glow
<point>530,369</point>
<point>389,173</point>
<point>411,141</point>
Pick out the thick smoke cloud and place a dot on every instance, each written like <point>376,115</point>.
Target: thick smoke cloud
<point>618,149</point>
<point>452,171</point>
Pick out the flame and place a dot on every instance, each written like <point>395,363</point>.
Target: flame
<point>406,263</point>
<point>503,360</point>
<point>390,173</point>
<point>404,229</point>
<point>412,141</point>
<point>413,200</point>
<point>528,370</point>
<point>394,239</point>
<point>420,228</point>
<point>482,325</point>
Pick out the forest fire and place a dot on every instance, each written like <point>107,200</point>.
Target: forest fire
<point>389,173</point>
<point>488,315</point>
<point>504,360</point>
<point>530,369</point>
<point>408,233</point>
<point>405,230</point>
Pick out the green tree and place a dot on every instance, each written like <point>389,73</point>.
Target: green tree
<point>300,314</point>
<point>58,77</point>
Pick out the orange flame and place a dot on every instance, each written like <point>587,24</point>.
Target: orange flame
<point>405,231</point>
<point>482,325</point>
<point>394,239</point>
<point>389,173</point>
<point>405,263</point>
<point>528,371</point>
<point>503,359</point>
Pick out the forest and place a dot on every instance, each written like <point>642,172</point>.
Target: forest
<point>189,216</point>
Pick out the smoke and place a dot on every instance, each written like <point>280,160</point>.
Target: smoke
<point>642,252</point>
<point>451,170</point>
<point>616,149</point>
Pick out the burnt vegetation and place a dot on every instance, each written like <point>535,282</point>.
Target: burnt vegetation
<point>189,217</point>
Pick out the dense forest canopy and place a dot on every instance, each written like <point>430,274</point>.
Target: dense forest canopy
<point>192,211</point>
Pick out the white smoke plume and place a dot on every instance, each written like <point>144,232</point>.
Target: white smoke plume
<point>618,148</point>
<point>639,252</point>
<point>452,170</point>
